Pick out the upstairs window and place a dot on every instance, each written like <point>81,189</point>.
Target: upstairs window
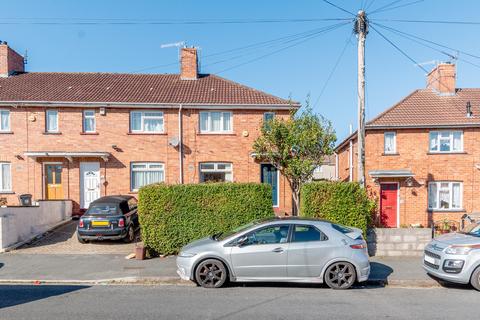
<point>4,120</point>
<point>146,121</point>
<point>5,177</point>
<point>446,141</point>
<point>51,120</point>
<point>445,195</point>
<point>216,172</point>
<point>215,122</point>
<point>89,123</point>
<point>145,173</point>
<point>268,116</point>
<point>390,142</point>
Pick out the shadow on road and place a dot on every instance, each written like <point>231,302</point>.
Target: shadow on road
<point>379,271</point>
<point>451,285</point>
<point>13,295</point>
<point>2,264</point>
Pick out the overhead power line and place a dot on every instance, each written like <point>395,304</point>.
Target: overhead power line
<point>85,21</point>
<point>397,7</point>
<point>337,62</point>
<point>398,49</point>
<point>431,21</point>
<point>331,28</point>
<point>385,6</point>
<point>338,7</point>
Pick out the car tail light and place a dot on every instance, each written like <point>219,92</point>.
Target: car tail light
<point>121,223</point>
<point>80,223</point>
<point>358,246</point>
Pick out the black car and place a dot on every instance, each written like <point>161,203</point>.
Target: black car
<point>111,217</point>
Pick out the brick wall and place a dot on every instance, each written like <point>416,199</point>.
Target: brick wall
<point>413,154</point>
<point>28,134</point>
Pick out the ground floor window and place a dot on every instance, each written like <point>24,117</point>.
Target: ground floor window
<point>5,177</point>
<point>444,195</point>
<point>144,173</point>
<point>216,172</point>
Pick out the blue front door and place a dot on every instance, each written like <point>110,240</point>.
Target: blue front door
<point>269,174</point>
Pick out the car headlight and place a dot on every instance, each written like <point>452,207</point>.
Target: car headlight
<point>462,250</point>
<point>186,254</point>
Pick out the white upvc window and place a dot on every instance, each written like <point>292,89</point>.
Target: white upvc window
<point>146,121</point>
<point>390,142</point>
<point>446,141</point>
<point>5,121</point>
<point>89,122</point>
<point>5,177</point>
<point>445,195</point>
<point>145,173</point>
<point>216,172</point>
<point>216,122</point>
<point>51,118</point>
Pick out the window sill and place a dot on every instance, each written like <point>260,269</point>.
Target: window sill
<point>446,153</point>
<point>390,154</point>
<point>6,132</point>
<point>446,210</point>
<point>146,133</point>
<point>216,134</point>
<point>52,133</point>
<point>89,133</point>
<point>7,192</point>
<point>132,192</point>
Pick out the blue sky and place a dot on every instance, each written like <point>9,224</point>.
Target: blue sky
<point>297,72</point>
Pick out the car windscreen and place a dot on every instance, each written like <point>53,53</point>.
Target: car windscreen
<point>228,234</point>
<point>103,209</point>
<point>473,229</point>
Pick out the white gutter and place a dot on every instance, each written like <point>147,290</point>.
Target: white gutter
<point>336,166</point>
<point>350,158</point>
<point>147,105</point>
<point>180,143</point>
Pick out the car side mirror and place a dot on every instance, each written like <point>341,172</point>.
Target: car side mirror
<point>242,241</point>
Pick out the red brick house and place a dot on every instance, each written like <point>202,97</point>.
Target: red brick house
<point>80,136</point>
<point>422,155</point>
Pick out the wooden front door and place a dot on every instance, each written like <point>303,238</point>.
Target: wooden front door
<point>53,182</point>
<point>389,205</point>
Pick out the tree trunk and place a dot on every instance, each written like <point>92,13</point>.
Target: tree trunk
<point>295,198</point>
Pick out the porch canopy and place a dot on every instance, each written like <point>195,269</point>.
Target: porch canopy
<point>68,155</point>
<point>401,173</point>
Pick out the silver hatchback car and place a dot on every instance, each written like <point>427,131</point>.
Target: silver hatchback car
<point>455,257</point>
<point>278,250</point>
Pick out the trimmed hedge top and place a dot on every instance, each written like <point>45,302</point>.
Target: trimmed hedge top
<point>344,203</point>
<point>173,215</point>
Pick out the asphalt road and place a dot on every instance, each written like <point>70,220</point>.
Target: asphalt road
<point>239,302</point>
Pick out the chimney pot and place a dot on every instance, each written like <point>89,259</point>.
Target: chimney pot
<point>442,79</point>
<point>189,64</point>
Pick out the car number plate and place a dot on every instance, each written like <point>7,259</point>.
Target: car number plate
<point>430,260</point>
<point>96,223</point>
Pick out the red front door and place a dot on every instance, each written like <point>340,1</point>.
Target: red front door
<point>388,204</point>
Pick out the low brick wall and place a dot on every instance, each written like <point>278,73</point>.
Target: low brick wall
<point>398,242</point>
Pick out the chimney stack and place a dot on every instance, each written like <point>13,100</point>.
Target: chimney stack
<point>189,64</point>
<point>442,79</point>
<point>10,61</point>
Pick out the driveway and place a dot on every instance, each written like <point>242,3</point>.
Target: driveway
<point>63,240</point>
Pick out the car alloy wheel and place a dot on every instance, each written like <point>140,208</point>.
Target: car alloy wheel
<point>475,280</point>
<point>211,273</point>
<point>340,275</point>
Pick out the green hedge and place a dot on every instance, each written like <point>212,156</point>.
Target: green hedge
<point>340,202</point>
<point>173,215</point>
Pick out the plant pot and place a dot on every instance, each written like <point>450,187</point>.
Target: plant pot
<point>140,253</point>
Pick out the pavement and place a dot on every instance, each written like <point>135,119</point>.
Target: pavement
<point>58,258</point>
<point>249,301</point>
<point>114,268</point>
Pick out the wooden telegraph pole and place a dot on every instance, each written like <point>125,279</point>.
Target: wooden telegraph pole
<point>361,29</point>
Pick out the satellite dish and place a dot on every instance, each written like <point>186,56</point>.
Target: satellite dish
<point>174,142</point>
